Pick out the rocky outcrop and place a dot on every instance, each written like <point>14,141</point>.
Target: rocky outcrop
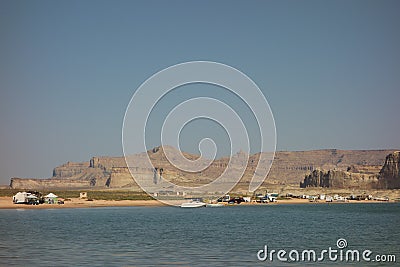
<point>389,176</point>
<point>287,168</point>
<point>23,183</point>
<point>121,177</point>
<point>290,167</point>
<point>358,176</point>
<point>70,169</point>
<point>339,179</point>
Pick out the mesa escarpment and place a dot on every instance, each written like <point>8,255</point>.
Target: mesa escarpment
<point>24,183</point>
<point>340,179</point>
<point>288,168</point>
<point>361,177</point>
<point>389,176</point>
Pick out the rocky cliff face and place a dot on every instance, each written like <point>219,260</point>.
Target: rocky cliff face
<point>120,177</point>
<point>339,179</point>
<point>287,168</point>
<point>389,176</point>
<point>70,169</point>
<point>363,177</point>
<point>20,183</point>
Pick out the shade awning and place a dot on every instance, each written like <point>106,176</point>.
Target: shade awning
<point>51,195</point>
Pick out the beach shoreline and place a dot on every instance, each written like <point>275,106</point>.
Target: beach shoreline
<point>6,203</point>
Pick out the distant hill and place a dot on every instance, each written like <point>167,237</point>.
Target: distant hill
<point>289,168</point>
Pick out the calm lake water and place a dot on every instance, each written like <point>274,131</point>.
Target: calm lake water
<point>168,236</point>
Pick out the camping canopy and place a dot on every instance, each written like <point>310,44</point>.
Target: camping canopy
<point>51,195</point>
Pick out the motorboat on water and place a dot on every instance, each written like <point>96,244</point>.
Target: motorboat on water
<point>193,204</point>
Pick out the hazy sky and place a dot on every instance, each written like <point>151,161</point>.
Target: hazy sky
<point>329,69</point>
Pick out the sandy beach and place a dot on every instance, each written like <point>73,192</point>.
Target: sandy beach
<point>6,203</point>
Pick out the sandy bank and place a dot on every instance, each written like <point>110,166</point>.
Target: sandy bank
<point>6,203</point>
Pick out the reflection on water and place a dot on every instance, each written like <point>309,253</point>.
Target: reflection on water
<point>168,236</point>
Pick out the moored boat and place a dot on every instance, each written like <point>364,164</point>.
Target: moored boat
<point>193,204</point>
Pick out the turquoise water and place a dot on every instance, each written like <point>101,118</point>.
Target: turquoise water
<point>168,236</point>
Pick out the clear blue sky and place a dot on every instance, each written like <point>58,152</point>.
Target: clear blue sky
<point>329,69</point>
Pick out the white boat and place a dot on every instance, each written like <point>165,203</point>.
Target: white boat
<point>214,205</point>
<point>193,204</point>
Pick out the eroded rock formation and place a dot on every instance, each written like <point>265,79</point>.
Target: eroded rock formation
<point>389,176</point>
<point>287,168</point>
<point>340,179</point>
<point>362,177</point>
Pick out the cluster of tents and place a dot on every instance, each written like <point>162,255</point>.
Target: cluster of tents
<point>36,198</point>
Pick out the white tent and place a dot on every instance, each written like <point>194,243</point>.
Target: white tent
<point>51,195</point>
<point>51,199</point>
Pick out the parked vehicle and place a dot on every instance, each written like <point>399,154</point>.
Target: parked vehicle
<point>33,201</point>
<point>262,200</point>
<point>225,198</point>
<point>236,200</point>
<point>23,197</point>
